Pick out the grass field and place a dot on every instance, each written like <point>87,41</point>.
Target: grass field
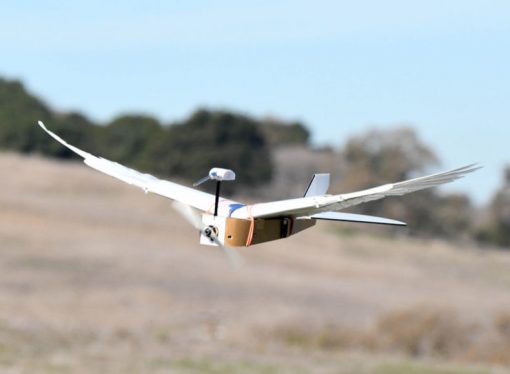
<point>95,276</point>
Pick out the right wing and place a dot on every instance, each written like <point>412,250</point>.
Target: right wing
<point>189,196</point>
<point>404,187</point>
<point>311,205</point>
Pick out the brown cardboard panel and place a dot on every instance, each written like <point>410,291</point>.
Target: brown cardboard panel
<point>237,231</point>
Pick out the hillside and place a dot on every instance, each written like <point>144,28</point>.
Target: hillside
<point>98,277</point>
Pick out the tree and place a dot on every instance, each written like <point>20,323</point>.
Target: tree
<point>19,113</point>
<point>128,138</point>
<point>497,228</point>
<point>385,156</point>
<point>279,133</point>
<point>189,149</point>
<point>382,156</point>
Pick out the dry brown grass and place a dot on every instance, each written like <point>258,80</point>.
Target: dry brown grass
<point>494,346</point>
<point>420,332</point>
<point>423,332</point>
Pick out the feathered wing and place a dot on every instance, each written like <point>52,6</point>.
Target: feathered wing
<point>301,207</point>
<point>308,206</point>
<point>189,196</point>
<point>402,188</point>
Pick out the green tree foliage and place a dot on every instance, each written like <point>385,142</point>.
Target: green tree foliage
<point>19,112</point>
<point>279,133</point>
<point>497,228</point>
<point>206,139</point>
<point>128,138</point>
<point>187,149</point>
<point>74,128</point>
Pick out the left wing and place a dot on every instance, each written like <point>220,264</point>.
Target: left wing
<point>308,206</point>
<point>189,196</point>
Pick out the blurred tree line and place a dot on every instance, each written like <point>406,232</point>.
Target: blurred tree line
<point>272,159</point>
<point>185,149</point>
<point>384,156</point>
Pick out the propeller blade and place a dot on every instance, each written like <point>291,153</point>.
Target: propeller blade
<point>195,220</point>
<point>234,259</point>
<point>189,214</point>
<point>201,181</point>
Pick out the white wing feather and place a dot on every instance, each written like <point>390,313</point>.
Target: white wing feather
<point>197,199</point>
<point>309,206</point>
<point>405,187</point>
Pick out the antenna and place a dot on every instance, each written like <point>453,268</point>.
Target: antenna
<point>219,175</point>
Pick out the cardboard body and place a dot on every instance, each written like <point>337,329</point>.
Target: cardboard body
<point>243,233</point>
<point>235,232</point>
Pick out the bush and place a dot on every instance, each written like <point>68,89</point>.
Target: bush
<point>423,331</point>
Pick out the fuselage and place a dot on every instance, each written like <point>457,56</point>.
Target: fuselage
<point>236,232</point>
<point>244,232</point>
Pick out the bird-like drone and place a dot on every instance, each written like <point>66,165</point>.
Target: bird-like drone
<point>227,223</point>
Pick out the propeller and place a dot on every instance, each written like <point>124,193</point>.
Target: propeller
<point>201,181</point>
<point>195,220</point>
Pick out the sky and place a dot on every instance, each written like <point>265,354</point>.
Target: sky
<point>340,67</point>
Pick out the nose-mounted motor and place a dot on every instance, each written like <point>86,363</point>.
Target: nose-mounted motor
<point>214,225</point>
<point>211,232</point>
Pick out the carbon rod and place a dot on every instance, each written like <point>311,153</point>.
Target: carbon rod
<point>217,198</point>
